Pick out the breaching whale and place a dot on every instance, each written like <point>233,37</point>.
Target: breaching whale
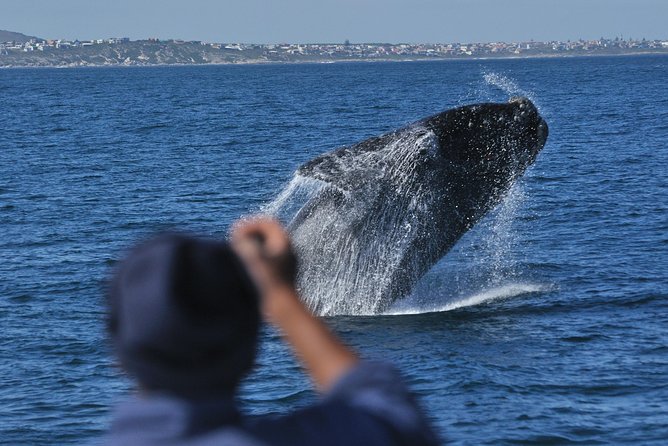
<point>377,215</point>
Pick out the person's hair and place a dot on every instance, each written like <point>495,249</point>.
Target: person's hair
<point>184,316</point>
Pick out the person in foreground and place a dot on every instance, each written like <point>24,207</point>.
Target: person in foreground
<point>184,317</point>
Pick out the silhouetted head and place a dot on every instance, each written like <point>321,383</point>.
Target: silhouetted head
<point>184,316</point>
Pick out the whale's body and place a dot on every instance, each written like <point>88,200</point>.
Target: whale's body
<point>380,213</point>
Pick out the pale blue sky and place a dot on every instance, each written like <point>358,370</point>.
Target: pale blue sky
<point>266,21</point>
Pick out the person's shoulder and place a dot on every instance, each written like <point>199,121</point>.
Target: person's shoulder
<point>328,422</point>
<point>379,389</point>
<point>367,406</point>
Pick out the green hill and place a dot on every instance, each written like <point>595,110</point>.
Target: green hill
<point>9,36</point>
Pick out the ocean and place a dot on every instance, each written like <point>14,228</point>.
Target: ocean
<point>546,324</point>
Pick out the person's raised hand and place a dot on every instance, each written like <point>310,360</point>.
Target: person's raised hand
<point>264,247</point>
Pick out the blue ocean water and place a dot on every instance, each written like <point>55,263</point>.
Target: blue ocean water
<point>547,324</point>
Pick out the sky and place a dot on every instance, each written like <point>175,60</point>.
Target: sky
<point>325,21</point>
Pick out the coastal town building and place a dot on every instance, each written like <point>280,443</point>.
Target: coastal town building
<point>239,52</point>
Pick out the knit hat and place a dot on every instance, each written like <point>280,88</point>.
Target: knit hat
<point>184,316</point>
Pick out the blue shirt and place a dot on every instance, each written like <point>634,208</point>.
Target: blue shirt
<point>370,405</point>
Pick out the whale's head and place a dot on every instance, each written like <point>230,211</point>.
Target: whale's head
<point>495,141</point>
<point>482,150</point>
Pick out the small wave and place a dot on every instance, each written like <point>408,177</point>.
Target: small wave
<point>151,127</point>
<point>500,292</point>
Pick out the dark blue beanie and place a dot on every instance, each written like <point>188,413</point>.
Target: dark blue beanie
<point>184,316</point>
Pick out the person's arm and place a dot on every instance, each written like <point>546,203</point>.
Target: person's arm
<point>368,397</point>
<point>264,247</point>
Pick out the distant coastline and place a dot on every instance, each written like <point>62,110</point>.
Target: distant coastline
<point>36,52</point>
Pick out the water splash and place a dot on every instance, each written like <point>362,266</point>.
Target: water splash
<point>485,259</point>
<point>499,239</point>
<point>299,191</point>
<point>507,85</point>
<point>347,275</point>
<point>365,272</point>
<point>499,292</point>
